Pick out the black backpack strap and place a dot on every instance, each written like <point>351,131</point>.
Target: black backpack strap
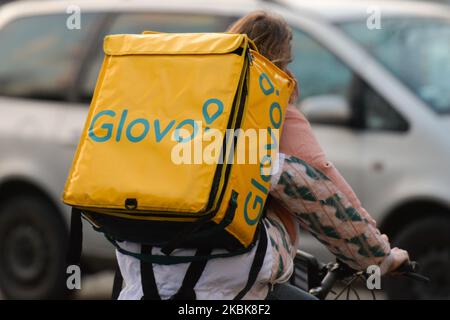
<point>117,284</point>
<point>75,239</point>
<point>193,274</point>
<point>169,260</point>
<point>257,264</point>
<point>149,287</point>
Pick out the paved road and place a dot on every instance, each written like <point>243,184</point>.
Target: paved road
<point>94,287</point>
<point>97,286</point>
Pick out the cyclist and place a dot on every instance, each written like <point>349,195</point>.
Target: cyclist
<point>319,201</point>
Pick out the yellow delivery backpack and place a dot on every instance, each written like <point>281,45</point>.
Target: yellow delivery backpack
<point>167,155</point>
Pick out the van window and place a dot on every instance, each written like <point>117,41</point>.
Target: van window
<point>162,22</point>
<point>415,50</point>
<point>40,56</point>
<point>320,72</point>
<point>317,70</point>
<point>379,114</point>
<point>168,22</point>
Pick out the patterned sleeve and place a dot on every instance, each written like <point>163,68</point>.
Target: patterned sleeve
<point>327,214</point>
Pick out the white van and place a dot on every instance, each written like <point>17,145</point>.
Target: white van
<point>375,83</point>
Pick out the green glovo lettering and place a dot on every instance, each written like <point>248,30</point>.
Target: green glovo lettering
<point>254,201</point>
<point>106,126</point>
<point>258,204</point>
<point>141,136</point>
<point>138,129</point>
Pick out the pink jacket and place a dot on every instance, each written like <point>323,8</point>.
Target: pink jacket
<point>297,139</point>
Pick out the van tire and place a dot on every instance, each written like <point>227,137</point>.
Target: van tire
<point>428,243</point>
<point>33,242</point>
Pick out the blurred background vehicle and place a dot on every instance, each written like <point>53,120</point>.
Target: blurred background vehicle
<point>378,99</point>
<point>5,1</point>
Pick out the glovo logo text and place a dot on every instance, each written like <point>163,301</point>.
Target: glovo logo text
<point>255,198</point>
<point>138,129</point>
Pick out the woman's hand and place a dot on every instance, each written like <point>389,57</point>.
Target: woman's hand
<point>398,256</point>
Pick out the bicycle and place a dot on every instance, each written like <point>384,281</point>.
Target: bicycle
<point>319,278</point>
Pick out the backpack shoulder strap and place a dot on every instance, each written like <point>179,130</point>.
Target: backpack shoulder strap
<point>186,291</point>
<point>193,274</point>
<point>149,287</point>
<point>117,284</point>
<point>257,264</point>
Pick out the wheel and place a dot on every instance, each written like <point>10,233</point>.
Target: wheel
<point>33,242</point>
<point>428,243</point>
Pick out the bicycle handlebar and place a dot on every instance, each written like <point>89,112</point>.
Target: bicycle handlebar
<point>410,269</point>
<point>335,272</point>
<point>339,271</point>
